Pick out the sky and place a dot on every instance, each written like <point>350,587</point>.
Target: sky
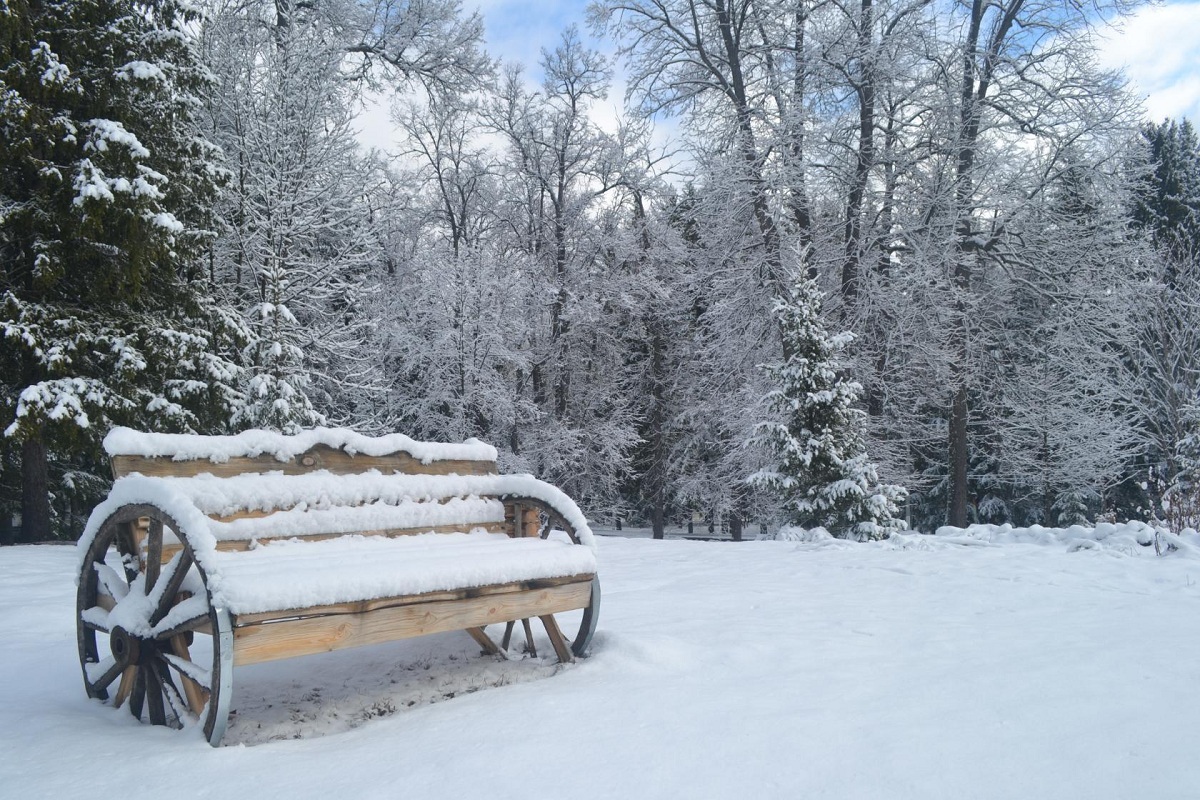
<point>1158,47</point>
<point>518,30</point>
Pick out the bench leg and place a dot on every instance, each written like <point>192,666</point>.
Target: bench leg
<point>485,641</point>
<point>556,638</point>
<point>508,629</point>
<point>529,647</point>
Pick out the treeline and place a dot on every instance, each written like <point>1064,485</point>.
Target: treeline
<point>192,238</point>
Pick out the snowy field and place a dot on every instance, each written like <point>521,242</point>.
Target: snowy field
<point>955,667</point>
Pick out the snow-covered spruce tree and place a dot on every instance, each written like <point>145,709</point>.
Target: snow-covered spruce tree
<point>1165,365</point>
<point>104,186</point>
<point>821,471</point>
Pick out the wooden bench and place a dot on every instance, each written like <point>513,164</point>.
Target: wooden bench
<point>213,552</point>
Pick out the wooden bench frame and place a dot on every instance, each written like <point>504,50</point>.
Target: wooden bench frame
<point>150,661</point>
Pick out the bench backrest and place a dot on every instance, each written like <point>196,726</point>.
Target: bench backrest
<point>188,459</point>
<point>337,451</point>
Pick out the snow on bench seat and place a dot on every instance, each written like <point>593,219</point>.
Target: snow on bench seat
<point>298,574</point>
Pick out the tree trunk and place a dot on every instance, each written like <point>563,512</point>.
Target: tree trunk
<point>972,94</point>
<point>958,458</point>
<point>6,526</point>
<point>35,493</point>
<point>864,161</point>
<point>735,526</point>
<point>656,475</point>
<point>800,206</point>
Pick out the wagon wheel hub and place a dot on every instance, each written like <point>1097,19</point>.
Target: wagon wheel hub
<point>129,650</point>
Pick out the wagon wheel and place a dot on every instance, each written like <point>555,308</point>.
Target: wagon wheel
<point>548,520</point>
<point>148,627</point>
<point>578,646</point>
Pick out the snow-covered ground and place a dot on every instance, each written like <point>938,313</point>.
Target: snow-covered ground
<point>929,667</point>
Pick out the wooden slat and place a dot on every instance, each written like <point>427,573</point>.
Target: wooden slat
<point>521,520</point>
<point>239,545</point>
<point>320,457</point>
<point>259,513</point>
<point>267,642</point>
<point>138,530</point>
<point>533,520</point>
<point>366,606</point>
<point>514,518</point>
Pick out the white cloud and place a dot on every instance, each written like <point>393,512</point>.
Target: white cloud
<point>517,30</point>
<point>1157,47</point>
<point>374,122</point>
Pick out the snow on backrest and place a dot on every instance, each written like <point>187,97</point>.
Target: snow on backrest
<point>260,485</point>
<point>338,450</point>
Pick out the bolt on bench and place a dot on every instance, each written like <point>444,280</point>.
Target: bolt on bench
<point>211,552</point>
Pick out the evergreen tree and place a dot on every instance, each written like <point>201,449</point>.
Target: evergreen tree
<point>1168,204</point>
<point>104,186</point>
<point>821,471</point>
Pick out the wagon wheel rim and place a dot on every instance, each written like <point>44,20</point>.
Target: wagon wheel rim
<point>547,520</point>
<point>136,627</point>
<point>587,625</point>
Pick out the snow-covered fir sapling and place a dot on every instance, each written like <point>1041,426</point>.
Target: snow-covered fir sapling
<point>820,469</point>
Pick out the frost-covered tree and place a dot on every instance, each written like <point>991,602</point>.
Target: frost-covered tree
<point>564,175</point>
<point>1166,362</point>
<point>104,188</point>
<point>295,247</point>
<point>818,466</point>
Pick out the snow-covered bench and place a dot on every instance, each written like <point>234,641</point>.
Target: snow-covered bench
<point>213,552</point>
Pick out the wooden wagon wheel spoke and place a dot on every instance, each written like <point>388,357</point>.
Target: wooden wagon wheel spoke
<point>196,681</point>
<point>125,687</point>
<point>153,553</point>
<point>111,669</point>
<point>112,586</point>
<point>94,621</point>
<point>184,628</point>
<point>154,695</point>
<point>179,709</point>
<point>138,697</point>
<point>173,577</point>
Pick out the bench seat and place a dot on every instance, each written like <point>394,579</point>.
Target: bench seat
<point>286,575</point>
